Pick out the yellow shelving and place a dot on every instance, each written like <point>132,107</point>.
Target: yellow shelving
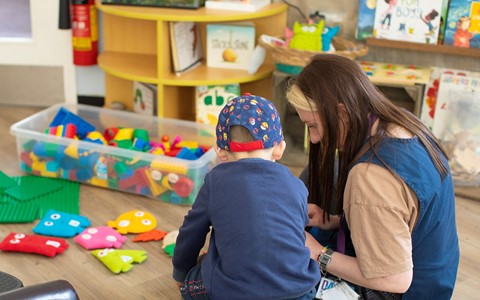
<point>137,48</point>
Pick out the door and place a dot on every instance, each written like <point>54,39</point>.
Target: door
<point>36,68</point>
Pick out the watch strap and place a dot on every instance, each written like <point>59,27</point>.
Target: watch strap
<point>324,259</point>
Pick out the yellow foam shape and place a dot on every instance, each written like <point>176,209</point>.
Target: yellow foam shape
<point>168,167</point>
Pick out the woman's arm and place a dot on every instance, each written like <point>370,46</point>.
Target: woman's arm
<point>346,267</point>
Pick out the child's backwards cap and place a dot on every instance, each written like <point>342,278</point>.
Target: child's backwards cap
<point>256,114</point>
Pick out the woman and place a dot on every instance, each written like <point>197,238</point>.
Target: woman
<point>380,177</point>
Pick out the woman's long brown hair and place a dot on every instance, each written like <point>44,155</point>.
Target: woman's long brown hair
<point>327,81</point>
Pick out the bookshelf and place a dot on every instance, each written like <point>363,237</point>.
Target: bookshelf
<point>439,49</point>
<point>137,48</point>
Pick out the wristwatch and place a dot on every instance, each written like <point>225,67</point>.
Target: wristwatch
<point>324,259</point>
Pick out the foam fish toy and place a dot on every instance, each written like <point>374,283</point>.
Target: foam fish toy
<point>47,246</point>
<point>135,221</point>
<point>169,242</point>
<point>61,224</point>
<point>119,260</point>
<point>154,235</point>
<point>100,237</point>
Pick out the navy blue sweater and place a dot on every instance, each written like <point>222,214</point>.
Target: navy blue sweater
<point>258,212</point>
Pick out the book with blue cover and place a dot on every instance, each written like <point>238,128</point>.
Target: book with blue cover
<point>463,24</point>
<point>365,19</point>
<point>443,21</point>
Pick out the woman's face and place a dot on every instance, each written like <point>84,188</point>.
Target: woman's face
<point>316,130</point>
<point>312,121</point>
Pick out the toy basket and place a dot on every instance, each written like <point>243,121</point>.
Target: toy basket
<point>292,61</point>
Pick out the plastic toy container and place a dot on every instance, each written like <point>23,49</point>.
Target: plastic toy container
<point>170,179</point>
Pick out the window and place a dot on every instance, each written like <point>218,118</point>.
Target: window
<point>15,19</point>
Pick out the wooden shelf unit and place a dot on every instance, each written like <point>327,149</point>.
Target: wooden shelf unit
<point>137,48</point>
<point>442,49</point>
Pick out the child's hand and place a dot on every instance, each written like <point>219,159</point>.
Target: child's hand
<point>313,245</point>
<point>315,215</point>
<point>179,284</point>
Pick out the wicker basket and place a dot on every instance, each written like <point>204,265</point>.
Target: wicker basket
<point>300,58</point>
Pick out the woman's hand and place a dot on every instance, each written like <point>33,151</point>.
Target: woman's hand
<point>316,218</point>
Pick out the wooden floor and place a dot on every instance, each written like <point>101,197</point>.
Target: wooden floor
<point>152,279</point>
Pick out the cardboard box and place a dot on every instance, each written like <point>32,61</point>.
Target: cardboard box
<point>170,179</point>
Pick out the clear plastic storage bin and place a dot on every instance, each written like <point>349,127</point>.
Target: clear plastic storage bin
<point>170,179</point>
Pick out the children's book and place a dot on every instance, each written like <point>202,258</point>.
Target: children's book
<point>411,21</point>
<point>443,21</point>
<point>237,5</point>
<point>211,99</point>
<point>366,19</point>
<point>456,125</point>
<point>186,46</point>
<point>230,46</point>
<point>144,98</point>
<point>463,24</point>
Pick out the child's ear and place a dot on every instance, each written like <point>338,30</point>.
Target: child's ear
<point>278,150</point>
<point>221,154</point>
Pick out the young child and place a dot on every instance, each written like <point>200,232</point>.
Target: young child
<point>257,210</point>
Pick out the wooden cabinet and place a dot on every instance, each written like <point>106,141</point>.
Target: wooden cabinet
<point>136,47</point>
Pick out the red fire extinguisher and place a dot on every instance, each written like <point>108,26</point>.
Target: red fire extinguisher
<point>84,32</point>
